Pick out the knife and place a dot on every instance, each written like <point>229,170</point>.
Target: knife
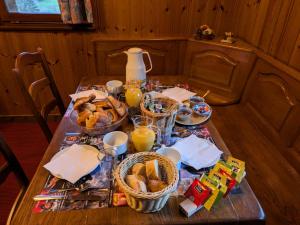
<point>68,197</point>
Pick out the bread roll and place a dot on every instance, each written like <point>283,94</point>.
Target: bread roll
<point>82,116</point>
<point>156,185</point>
<point>88,106</point>
<point>139,169</point>
<point>118,106</point>
<point>91,121</point>
<point>112,114</point>
<point>152,170</point>
<point>136,184</point>
<point>81,101</point>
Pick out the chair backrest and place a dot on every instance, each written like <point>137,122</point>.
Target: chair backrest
<point>12,165</point>
<point>31,93</point>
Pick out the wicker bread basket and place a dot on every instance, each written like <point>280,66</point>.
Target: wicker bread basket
<point>149,201</point>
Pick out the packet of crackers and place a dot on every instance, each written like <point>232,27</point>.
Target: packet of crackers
<point>238,167</point>
<point>198,192</point>
<point>216,195</point>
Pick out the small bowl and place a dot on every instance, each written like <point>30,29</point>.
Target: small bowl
<point>194,100</point>
<point>184,113</point>
<point>202,109</point>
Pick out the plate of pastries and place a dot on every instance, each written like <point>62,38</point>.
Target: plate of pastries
<point>98,117</point>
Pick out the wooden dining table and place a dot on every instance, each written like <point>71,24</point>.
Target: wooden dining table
<point>240,207</point>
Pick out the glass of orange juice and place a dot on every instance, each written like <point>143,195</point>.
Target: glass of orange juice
<point>143,136</point>
<point>133,94</point>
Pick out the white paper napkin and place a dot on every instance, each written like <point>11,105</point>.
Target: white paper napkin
<point>178,94</point>
<point>198,152</point>
<point>74,162</point>
<point>100,95</point>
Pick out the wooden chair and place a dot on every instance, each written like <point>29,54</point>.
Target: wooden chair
<point>12,165</point>
<point>31,93</point>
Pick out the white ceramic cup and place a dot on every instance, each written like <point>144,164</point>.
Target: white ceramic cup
<point>115,142</point>
<point>172,154</point>
<point>114,87</point>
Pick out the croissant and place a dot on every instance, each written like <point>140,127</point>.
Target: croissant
<point>81,101</point>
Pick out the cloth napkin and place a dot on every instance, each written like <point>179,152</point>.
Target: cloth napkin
<point>198,152</point>
<point>100,95</point>
<point>178,94</point>
<point>74,162</point>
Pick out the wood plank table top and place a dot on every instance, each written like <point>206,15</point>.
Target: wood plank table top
<point>240,208</point>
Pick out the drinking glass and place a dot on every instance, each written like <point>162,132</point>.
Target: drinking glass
<point>143,136</point>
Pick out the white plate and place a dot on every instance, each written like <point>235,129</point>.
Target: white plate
<point>194,119</point>
<point>86,147</point>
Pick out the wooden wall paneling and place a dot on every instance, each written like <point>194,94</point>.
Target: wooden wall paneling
<point>220,68</point>
<point>272,101</point>
<point>250,16</point>
<point>109,58</point>
<point>290,33</point>
<point>295,57</point>
<point>274,24</point>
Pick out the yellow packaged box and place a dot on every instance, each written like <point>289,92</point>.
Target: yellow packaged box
<point>220,179</point>
<point>216,192</point>
<point>238,167</point>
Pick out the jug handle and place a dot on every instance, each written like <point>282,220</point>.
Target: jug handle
<point>147,53</point>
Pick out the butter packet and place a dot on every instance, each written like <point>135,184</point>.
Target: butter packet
<point>238,167</point>
<point>216,194</point>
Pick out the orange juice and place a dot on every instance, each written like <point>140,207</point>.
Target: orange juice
<point>143,138</point>
<point>133,96</point>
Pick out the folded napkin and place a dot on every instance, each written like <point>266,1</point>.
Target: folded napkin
<point>74,162</point>
<point>178,94</point>
<point>197,152</point>
<point>100,95</point>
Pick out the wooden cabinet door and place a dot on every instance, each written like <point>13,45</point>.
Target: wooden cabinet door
<point>109,57</point>
<point>222,70</point>
<point>272,101</point>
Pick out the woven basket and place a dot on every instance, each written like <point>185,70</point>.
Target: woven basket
<point>149,201</point>
<point>164,121</point>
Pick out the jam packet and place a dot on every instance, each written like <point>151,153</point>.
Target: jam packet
<point>216,192</point>
<point>238,167</point>
<point>198,192</point>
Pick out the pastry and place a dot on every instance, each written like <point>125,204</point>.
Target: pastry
<point>152,170</point>
<point>117,105</point>
<point>156,185</point>
<point>82,116</point>
<point>88,106</point>
<point>91,121</point>
<point>139,169</point>
<point>81,101</point>
<point>102,118</point>
<point>114,102</point>
<point>112,114</point>
<point>103,104</point>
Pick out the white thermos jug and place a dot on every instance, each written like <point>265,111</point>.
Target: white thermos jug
<point>135,67</point>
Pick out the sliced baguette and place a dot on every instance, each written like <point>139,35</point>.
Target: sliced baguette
<point>139,169</point>
<point>136,183</point>
<point>152,170</point>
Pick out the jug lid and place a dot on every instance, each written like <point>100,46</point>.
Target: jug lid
<point>135,50</point>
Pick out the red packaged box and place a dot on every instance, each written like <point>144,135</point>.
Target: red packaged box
<point>198,192</point>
